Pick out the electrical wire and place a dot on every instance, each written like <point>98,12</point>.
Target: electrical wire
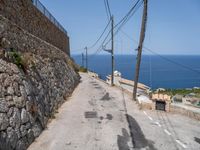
<point>121,23</point>
<point>126,18</point>
<point>109,11</point>
<point>100,36</point>
<point>161,56</point>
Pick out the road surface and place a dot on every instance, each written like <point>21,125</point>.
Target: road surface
<point>100,117</point>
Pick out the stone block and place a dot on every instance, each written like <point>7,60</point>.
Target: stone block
<point>24,116</point>
<point>4,122</point>
<point>3,106</point>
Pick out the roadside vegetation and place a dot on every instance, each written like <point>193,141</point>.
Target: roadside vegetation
<point>183,92</point>
<point>82,69</point>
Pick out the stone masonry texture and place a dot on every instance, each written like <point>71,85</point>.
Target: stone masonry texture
<point>28,17</point>
<point>30,96</point>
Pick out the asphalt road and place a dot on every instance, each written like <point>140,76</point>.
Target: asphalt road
<point>100,117</point>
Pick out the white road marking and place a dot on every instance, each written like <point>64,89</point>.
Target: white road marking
<point>180,143</point>
<point>166,131</point>
<point>158,124</point>
<point>145,113</point>
<point>150,118</point>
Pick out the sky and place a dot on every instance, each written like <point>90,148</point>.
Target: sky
<point>173,26</point>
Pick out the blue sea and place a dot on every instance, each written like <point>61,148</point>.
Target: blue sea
<point>167,71</point>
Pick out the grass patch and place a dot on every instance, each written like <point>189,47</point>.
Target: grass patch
<point>183,92</point>
<point>16,58</point>
<point>82,69</point>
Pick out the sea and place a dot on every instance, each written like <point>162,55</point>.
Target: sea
<point>163,71</point>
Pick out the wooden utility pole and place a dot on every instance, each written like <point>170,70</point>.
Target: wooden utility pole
<point>86,53</point>
<point>142,36</point>
<point>112,49</point>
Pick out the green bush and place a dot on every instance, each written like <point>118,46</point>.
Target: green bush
<point>16,58</point>
<point>82,69</point>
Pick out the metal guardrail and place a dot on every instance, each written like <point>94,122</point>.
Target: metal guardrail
<point>43,10</point>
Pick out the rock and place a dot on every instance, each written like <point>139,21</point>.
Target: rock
<point>37,129</point>
<point>19,101</point>
<point>15,71</point>
<point>24,116</point>
<point>32,118</point>
<point>4,145</point>
<point>15,119</point>
<point>23,91</point>
<point>16,89</point>
<point>8,79</point>
<point>28,88</point>
<point>9,98</point>
<point>10,112</point>
<point>20,145</point>
<point>12,137</point>
<point>4,122</point>
<point>3,106</point>
<point>10,90</point>
<point>30,136</point>
<point>10,102</point>
<point>23,130</point>
<point>29,105</point>
<point>28,125</point>
<point>5,43</point>
<point>2,53</point>
<point>17,131</point>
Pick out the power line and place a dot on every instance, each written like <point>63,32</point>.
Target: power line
<point>100,36</point>
<point>107,11</point>
<point>161,56</point>
<point>100,47</point>
<point>172,61</point>
<point>80,49</point>
<point>122,22</point>
<point>108,8</point>
<point>126,18</point>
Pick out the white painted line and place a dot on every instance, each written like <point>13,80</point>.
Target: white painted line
<point>145,113</point>
<point>180,143</point>
<point>150,118</point>
<point>158,124</point>
<point>166,131</point>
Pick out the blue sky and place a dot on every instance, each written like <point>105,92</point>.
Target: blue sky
<point>173,25</point>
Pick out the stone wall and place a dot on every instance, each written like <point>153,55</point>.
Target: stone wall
<point>27,16</point>
<point>31,94</point>
<point>185,112</point>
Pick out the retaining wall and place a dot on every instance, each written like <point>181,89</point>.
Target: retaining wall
<point>28,17</point>
<point>31,94</point>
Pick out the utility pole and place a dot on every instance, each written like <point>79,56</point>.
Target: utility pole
<point>86,57</point>
<point>112,49</point>
<point>82,58</point>
<point>142,36</point>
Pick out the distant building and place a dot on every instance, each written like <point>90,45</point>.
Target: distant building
<point>125,83</point>
<point>161,102</point>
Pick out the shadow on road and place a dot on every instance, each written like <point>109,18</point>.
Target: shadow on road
<point>106,97</point>
<point>197,139</point>
<point>138,138</point>
<point>123,140</point>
